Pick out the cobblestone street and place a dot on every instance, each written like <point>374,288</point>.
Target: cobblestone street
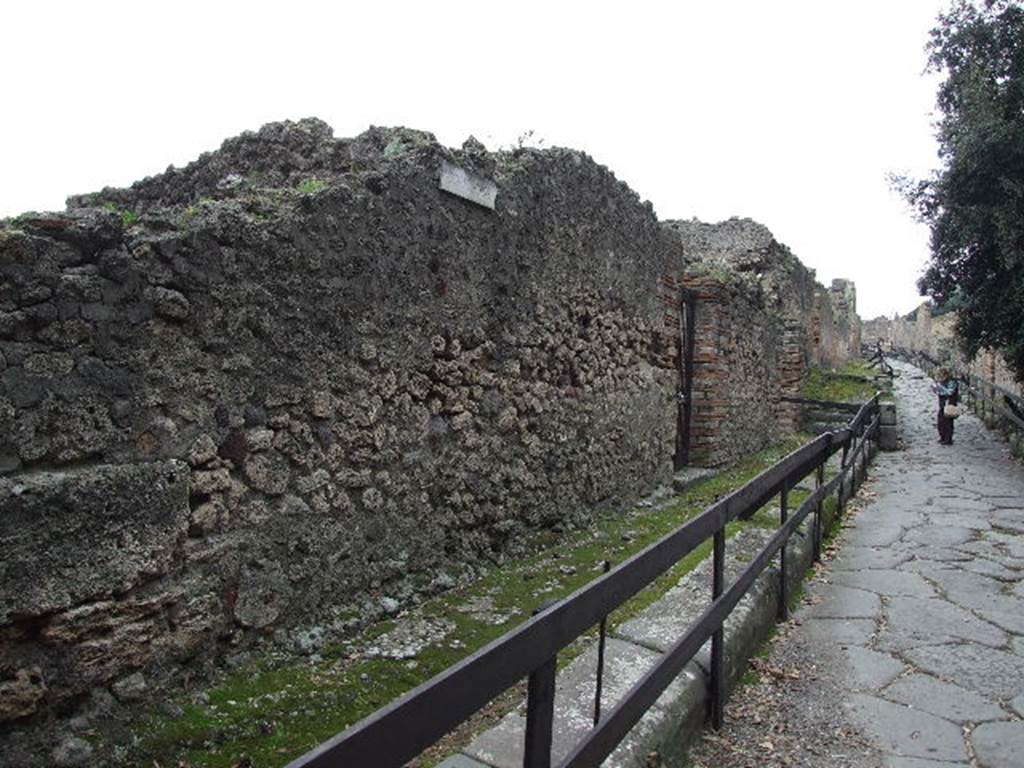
<point>908,650</point>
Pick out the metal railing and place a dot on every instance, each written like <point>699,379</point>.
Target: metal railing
<point>876,359</point>
<point>993,400</point>
<point>403,729</point>
<point>984,395</point>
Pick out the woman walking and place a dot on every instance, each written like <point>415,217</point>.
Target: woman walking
<point>949,394</point>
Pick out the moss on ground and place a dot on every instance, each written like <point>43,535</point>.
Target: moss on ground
<point>274,709</point>
<point>831,386</point>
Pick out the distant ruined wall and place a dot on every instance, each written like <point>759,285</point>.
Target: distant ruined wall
<point>935,337</point>
<point>846,324</point>
<point>295,383</point>
<point>762,322</point>
<point>738,373</point>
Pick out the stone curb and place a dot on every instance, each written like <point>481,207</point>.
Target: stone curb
<point>677,718</point>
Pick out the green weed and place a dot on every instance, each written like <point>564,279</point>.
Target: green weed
<point>822,384</point>
<point>128,218</point>
<point>311,186</point>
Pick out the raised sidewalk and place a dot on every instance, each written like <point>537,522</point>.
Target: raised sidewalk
<point>634,647</point>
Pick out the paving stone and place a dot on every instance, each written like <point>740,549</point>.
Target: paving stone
<point>914,622</point>
<point>885,511</point>
<point>908,732</point>
<point>1009,519</point>
<point>962,504</point>
<point>991,672</point>
<point>872,670</point>
<point>999,745</point>
<point>981,548</point>
<point>926,567</point>
<point>874,535</point>
<point>975,521</point>
<point>916,762</point>
<point>1002,491</point>
<point>461,761</point>
<point>1005,613</point>
<point>970,589</point>
<point>838,602</point>
<point>1018,705</point>
<point>946,700</point>
<point>987,567</point>
<point>941,534</point>
<point>860,558</point>
<point>1011,544</point>
<point>887,582</point>
<point>982,594</point>
<point>841,632</point>
<point>934,553</point>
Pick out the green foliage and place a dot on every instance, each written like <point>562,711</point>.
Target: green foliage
<point>834,387</point>
<point>18,222</point>
<point>953,304</point>
<point>312,186</point>
<point>974,203</point>
<point>128,218</point>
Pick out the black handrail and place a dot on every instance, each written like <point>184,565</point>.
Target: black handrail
<point>403,729</point>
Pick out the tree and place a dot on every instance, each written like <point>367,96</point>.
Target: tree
<point>974,203</point>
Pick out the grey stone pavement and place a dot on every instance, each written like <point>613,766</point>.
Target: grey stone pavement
<point>926,596</point>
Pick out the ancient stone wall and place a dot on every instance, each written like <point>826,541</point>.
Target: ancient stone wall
<point>298,383</point>
<point>738,373</point>
<point>845,321</point>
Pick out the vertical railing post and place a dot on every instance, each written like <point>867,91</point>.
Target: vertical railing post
<point>600,659</point>
<point>718,637</point>
<point>856,458</point>
<point>540,712</point>
<point>819,480</point>
<point>869,436</point>
<point>783,516</point>
<point>842,472</point>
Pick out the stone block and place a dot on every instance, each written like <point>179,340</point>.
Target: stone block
<point>461,761</point>
<point>69,537</point>
<point>887,414</point>
<point>20,695</point>
<point>888,438</point>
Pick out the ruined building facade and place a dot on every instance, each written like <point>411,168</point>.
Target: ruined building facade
<point>296,382</point>
<point>935,336</point>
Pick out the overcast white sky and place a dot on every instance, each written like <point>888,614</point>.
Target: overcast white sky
<point>790,113</point>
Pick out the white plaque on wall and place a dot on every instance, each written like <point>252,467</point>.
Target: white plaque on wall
<point>468,185</point>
